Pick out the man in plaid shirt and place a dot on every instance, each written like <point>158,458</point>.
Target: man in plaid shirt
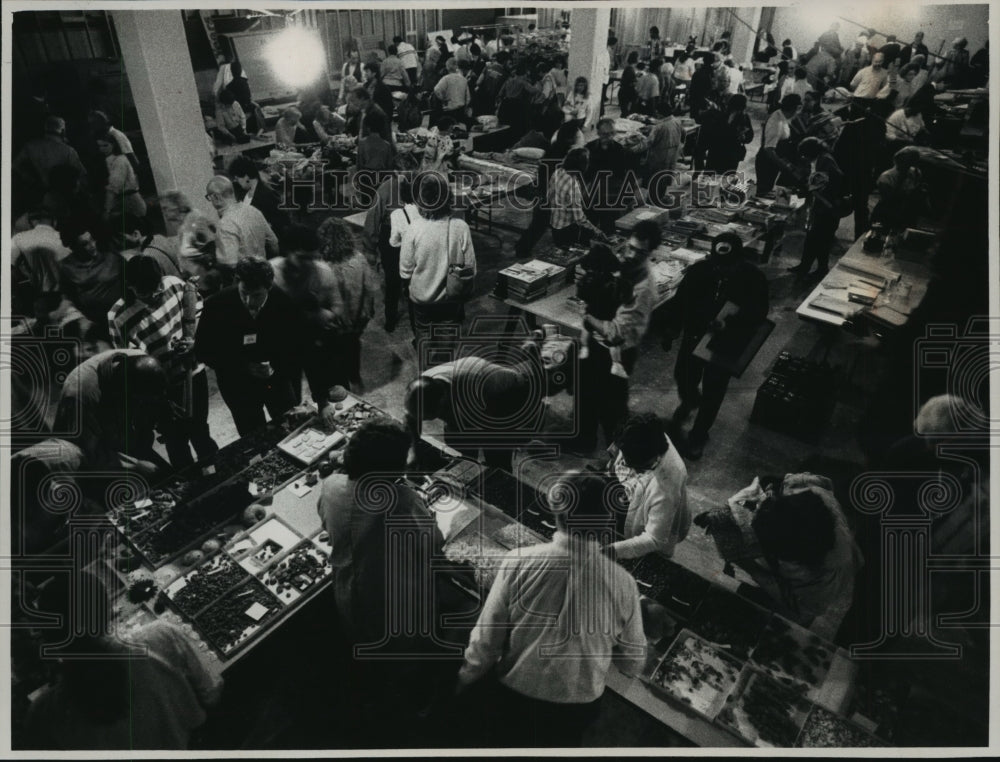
<point>152,317</point>
<point>568,222</point>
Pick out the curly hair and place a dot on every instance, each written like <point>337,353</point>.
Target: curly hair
<point>378,446</point>
<point>336,240</point>
<point>642,439</point>
<point>254,273</point>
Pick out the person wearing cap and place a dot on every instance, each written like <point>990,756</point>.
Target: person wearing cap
<point>536,632</point>
<point>723,276</point>
<point>826,188</point>
<point>655,481</point>
<point>107,403</point>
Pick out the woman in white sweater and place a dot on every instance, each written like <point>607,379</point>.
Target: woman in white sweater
<point>431,247</point>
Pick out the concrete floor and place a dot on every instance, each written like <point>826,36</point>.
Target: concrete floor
<point>736,452</point>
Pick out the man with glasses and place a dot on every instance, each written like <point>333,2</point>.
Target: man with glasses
<point>243,230</point>
<point>655,480</point>
<point>158,315</point>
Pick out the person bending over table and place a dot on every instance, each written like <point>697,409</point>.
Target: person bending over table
<point>568,220</point>
<point>769,163</point>
<point>723,276</point>
<point>809,558</point>
<point>483,405</point>
<point>655,480</point>
<point>902,194</point>
<point>549,668</point>
<point>603,397</point>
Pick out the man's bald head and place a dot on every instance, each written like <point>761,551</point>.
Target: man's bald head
<point>220,193</point>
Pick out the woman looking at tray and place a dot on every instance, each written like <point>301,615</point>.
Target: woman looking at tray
<point>148,693</point>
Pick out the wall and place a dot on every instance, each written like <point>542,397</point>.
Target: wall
<point>940,23</point>
<point>453,19</point>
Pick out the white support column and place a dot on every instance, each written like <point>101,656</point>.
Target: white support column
<point>587,45</point>
<point>158,65</point>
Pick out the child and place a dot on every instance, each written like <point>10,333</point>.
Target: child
<point>603,292</point>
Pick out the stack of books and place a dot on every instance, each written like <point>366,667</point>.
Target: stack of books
<point>530,280</point>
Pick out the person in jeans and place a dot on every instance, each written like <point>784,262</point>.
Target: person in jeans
<point>429,248</point>
<point>389,247</point>
<point>568,220</point>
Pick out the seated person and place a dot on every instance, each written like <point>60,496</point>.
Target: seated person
<point>230,119</point>
<point>328,123</point>
<point>905,127</point>
<point>655,481</point>
<point>289,131</point>
<point>901,190</point>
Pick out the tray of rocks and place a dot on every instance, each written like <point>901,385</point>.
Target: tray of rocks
<point>298,572</point>
<point>260,546</point>
<point>198,589</point>
<point>793,656</point>
<point>234,620</point>
<point>309,444</point>
<point>764,712</point>
<point>477,551</point>
<point>670,584</point>
<point>826,730</point>
<point>730,621</point>
<point>696,675</point>
<point>136,516</point>
<point>270,472</point>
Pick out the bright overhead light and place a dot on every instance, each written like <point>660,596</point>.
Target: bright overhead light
<point>296,55</point>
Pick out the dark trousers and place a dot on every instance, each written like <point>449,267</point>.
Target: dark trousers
<point>859,198</point>
<point>533,234</point>
<point>571,235</point>
<point>690,373</point>
<point>530,722</point>
<point>819,238</point>
<point>393,283</point>
<point>602,397</point>
<point>425,317</point>
<point>412,72</point>
<point>343,352</point>
<point>767,173</point>
<point>246,397</point>
<point>180,434</point>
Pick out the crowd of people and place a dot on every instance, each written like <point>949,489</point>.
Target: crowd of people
<point>267,302</point>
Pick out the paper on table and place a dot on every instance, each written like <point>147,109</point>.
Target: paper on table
<point>256,612</point>
<point>455,517</point>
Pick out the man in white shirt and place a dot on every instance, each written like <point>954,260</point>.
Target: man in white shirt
<point>603,72</point>
<point>453,92</point>
<point>490,51</point>
<point>408,56</point>
<point>242,231</point>
<point>556,618</point>
<point>903,126</point>
<point>768,164</point>
<point>655,481</point>
<point>869,81</point>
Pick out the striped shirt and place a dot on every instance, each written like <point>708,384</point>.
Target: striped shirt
<point>566,200</point>
<point>137,326</point>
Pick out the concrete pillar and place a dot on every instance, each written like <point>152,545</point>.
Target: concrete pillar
<point>158,65</point>
<point>587,46</point>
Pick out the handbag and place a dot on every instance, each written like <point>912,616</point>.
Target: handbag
<point>461,280</point>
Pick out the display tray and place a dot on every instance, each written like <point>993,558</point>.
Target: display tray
<point>198,589</point>
<point>189,526</point>
<point>503,490</point>
<point>473,549</point>
<point>793,656</point>
<point>730,622</point>
<point>134,517</point>
<point>310,443</point>
<point>763,712</point>
<point>237,618</point>
<point>696,675</point>
<point>538,519</point>
<point>825,730</point>
<point>270,472</point>
<point>354,413</point>
<point>514,535</point>
<point>259,547</point>
<point>671,585</point>
<point>297,572</point>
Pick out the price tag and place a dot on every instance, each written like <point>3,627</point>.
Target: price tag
<point>208,470</point>
<point>299,489</point>
<point>253,489</point>
<point>249,339</point>
<point>256,459</point>
<point>256,612</point>
<point>144,503</point>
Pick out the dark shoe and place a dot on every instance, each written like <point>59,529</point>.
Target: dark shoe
<point>694,447</point>
<point>681,412</point>
<point>798,270</point>
<point>820,274</point>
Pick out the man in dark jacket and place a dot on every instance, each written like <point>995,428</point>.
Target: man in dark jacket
<point>826,191</point>
<point>915,48</point>
<point>857,153</point>
<point>605,175</point>
<point>246,177</point>
<point>247,334</point>
<point>723,276</point>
